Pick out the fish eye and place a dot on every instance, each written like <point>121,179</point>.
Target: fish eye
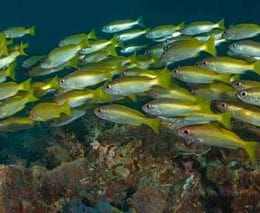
<point>205,63</point>
<point>233,45</point>
<point>243,93</point>
<point>175,71</point>
<point>62,81</point>
<point>148,106</point>
<point>223,105</point>
<point>99,110</point>
<point>186,132</point>
<point>147,52</point>
<point>108,86</point>
<point>163,54</point>
<point>166,47</point>
<point>166,42</point>
<point>239,84</point>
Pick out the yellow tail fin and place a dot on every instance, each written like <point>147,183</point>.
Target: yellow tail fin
<point>26,85</point>
<point>31,30</point>
<point>250,148</point>
<point>257,67</point>
<point>22,47</point>
<point>164,79</point>
<point>66,108</point>
<point>154,124</point>
<point>210,46</point>
<point>221,24</point>
<point>225,119</point>
<point>10,71</point>
<point>92,35</point>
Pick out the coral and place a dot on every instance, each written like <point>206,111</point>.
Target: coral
<point>131,170</point>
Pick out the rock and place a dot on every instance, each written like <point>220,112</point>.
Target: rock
<point>149,200</point>
<point>18,191</point>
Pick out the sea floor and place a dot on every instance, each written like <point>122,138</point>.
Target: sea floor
<point>94,166</point>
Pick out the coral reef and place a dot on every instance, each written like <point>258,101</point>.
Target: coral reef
<point>127,169</point>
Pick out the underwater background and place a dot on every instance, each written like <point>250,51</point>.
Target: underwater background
<point>98,167</point>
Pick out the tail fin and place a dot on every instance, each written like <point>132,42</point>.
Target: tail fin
<point>54,83</point>
<point>100,96</point>
<point>250,148</point>
<point>257,67</point>
<point>83,44</point>
<point>74,62</point>
<point>26,85</point>
<point>221,24</point>
<point>164,79</point>
<point>234,78</point>
<point>181,25</point>
<point>210,46</point>
<point>225,78</point>
<point>139,21</point>
<point>66,108</point>
<point>92,35</point>
<point>154,124</point>
<point>3,44</point>
<point>132,97</point>
<point>225,119</point>
<point>115,43</point>
<point>10,71</point>
<point>31,30</point>
<point>22,47</point>
<point>112,51</point>
<point>30,97</point>
<point>204,105</point>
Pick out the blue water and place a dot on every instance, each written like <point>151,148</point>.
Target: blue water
<point>55,19</point>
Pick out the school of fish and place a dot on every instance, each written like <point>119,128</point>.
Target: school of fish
<point>192,77</point>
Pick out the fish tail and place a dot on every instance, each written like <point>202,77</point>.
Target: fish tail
<point>210,46</point>
<point>234,77</point>
<point>26,85</point>
<point>74,62</point>
<point>112,51</point>
<point>100,95</point>
<point>225,78</point>
<point>140,21</point>
<point>22,47</point>
<point>31,30</point>
<point>250,148</point>
<point>54,83</point>
<point>225,119</point>
<point>66,108</point>
<point>3,41</point>
<point>132,97</point>
<point>204,105</point>
<point>30,97</point>
<point>10,71</point>
<point>181,25</point>
<point>83,44</point>
<point>154,124</point>
<point>92,35</point>
<point>116,43</point>
<point>164,78</point>
<point>221,24</point>
<point>257,67</point>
